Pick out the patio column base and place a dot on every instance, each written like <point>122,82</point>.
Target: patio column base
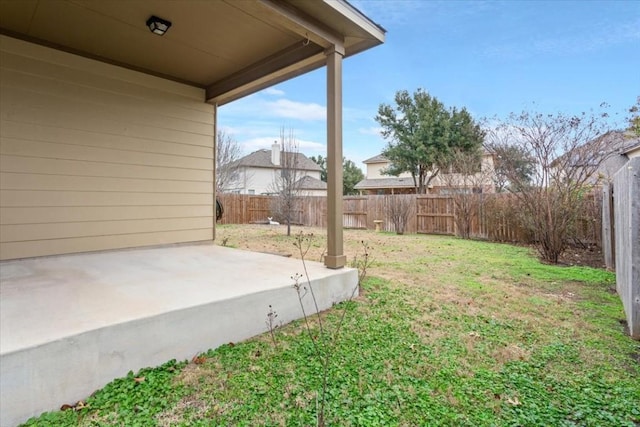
<point>335,261</point>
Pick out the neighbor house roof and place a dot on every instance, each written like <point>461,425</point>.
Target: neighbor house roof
<point>262,159</point>
<point>367,184</point>
<point>310,183</point>
<point>376,159</point>
<point>612,143</point>
<point>633,145</point>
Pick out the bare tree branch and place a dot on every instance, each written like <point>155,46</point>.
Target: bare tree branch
<point>466,180</point>
<point>287,182</point>
<point>567,152</point>
<point>228,152</point>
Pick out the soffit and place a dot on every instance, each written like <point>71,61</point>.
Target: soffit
<point>229,47</point>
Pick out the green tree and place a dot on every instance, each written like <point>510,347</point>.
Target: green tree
<point>351,174</point>
<point>423,134</point>
<point>510,159</point>
<point>322,162</point>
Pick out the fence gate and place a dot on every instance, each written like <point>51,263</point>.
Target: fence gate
<point>435,215</point>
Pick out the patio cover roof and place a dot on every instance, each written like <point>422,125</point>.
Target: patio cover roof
<point>230,48</point>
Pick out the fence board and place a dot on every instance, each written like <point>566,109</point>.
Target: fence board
<point>354,212</point>
<point>435,215</point>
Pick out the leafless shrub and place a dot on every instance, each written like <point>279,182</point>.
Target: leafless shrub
<point>272,325</point>
<point>398,210</point>
<point>228,152</point>
<point>323,340</point>
<point>567,150</point>
<point>466,180</point>
<point>287,183</point>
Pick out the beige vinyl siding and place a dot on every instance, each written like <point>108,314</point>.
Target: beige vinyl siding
<point>95,157</point>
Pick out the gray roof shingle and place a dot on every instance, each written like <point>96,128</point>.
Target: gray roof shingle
<point>310,183</point>
<point>376,159</point>
<point>384,183</point>
<point>262,159</point>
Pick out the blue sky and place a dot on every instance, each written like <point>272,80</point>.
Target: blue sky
<point>491,57</point>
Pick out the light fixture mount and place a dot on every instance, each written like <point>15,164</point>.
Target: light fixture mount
<point>157,25</point>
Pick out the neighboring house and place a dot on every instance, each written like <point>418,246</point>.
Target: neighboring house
<point>620,146</point>
<point>376,182</point>
<point>257,173</point>
<point>617,147</point>
<point>632,149</point>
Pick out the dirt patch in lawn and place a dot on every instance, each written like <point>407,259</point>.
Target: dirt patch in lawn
<point>588,256</point>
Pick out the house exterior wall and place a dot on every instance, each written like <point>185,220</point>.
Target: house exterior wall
<point>256,180</point>
<point>253,180</point>
<point>95,157</point>
<point>483,180</point>
<point>374,171</point>
<point>312,174</point>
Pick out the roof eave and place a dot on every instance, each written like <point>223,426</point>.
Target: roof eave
<point>299,59</point>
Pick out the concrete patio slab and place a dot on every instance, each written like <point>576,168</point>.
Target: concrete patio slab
<point>70,324</point>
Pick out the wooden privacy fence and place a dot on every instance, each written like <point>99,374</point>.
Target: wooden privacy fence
<point>621,246</point>
<point>496,216</point>
<point>254,209</point>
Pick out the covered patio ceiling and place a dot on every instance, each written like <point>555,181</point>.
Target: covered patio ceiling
<point>231,48</point>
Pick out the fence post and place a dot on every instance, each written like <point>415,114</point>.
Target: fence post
<point>608,227</point>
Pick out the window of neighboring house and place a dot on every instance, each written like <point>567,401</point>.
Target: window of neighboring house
<point>251,191</point>
<point>380,192</point>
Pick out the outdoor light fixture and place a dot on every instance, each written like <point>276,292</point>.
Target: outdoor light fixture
<point>158,25</point>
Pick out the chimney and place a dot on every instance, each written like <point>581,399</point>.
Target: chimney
<point>275,153</point>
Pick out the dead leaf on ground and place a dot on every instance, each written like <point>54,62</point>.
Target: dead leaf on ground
<point>514,401</point>
<point>75,407</point>
<point>199,360</point>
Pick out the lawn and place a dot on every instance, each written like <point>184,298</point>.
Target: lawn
<point>448,332</point>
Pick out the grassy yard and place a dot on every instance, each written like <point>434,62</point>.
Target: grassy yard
<point>447,333</point>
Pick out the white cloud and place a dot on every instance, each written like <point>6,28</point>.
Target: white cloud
<point>297,110</point>
<point>254,144</point>
<point>273,91</point>
<point>312,146</point>
<point>261,107</point>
